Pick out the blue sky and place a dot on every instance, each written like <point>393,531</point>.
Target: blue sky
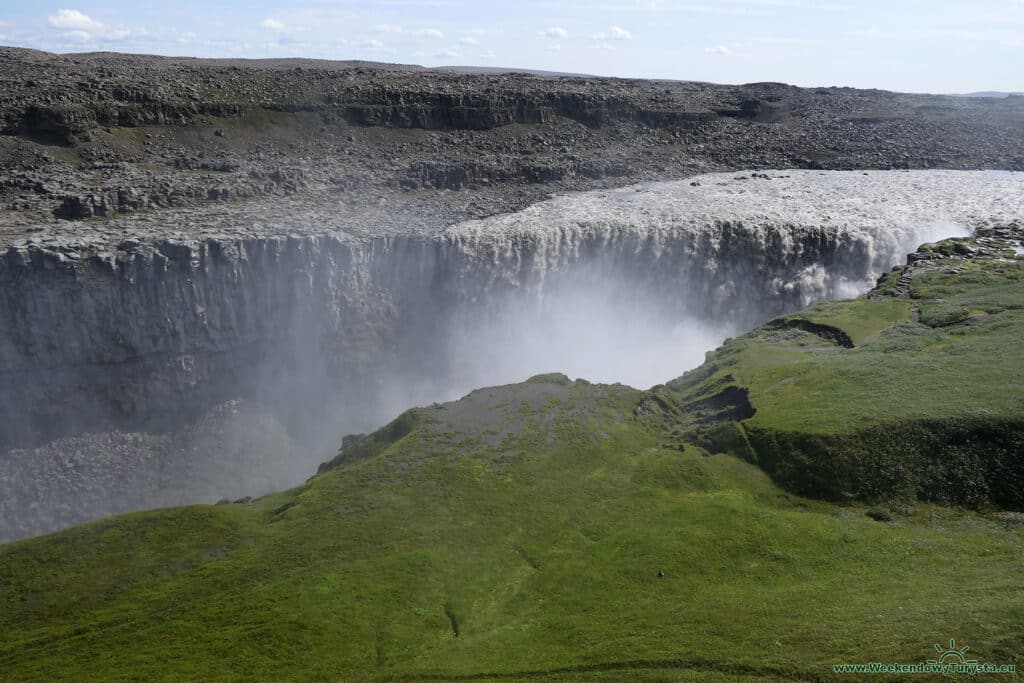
<point>911,45</point>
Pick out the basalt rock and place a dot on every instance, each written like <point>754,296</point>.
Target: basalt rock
<point>185,132</point>
<point>131,330</point>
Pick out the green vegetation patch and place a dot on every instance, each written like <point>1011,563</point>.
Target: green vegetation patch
<point>860,320</point>
<point>560,530</point>
<point>595,551</point>
<point>853,400</point>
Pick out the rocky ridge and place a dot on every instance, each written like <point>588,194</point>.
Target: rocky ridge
<point>177,235</point>
<point>124,335</point>
<point>98,135</point>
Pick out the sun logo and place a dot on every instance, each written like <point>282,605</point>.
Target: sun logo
<point>952,655</point>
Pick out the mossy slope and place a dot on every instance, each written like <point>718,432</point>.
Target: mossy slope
<point>522,531</point>
<point>916,391</point>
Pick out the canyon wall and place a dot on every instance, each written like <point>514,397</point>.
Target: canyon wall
<point>124,368</point>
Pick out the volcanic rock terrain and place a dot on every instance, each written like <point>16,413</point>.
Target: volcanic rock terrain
<point>214,256</point>
<point>95,135</point>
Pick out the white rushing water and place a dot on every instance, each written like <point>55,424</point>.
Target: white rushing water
<point>636,284</point>
<point>227,366</point>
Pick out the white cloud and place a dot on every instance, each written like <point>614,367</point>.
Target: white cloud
<point>187,37</point>
<point>423,3</point>
<point>272,24</point>
<point>225,45</point>
<point>718,50</point>
<point>556,32</point>
<point>1006,38</point>
<point>399,29</point>
<point>447,54</point>
<point>371,44</point>
<point>469,40</point>
<point>288,44</point>
<point>761,7</point>
<point>83,27</point>
<point>553,47</point>
<point>73,20</point>
<point>613,33</point>
<point>873,32</point>
<point>796,42</point>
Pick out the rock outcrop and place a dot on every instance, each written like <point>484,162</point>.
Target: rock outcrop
<point>100,134</point>
<point>138,333</point>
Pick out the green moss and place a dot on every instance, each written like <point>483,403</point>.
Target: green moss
<point>549,565</point>
<point>931,410</point>
<point>861,320</point>
<point>943,314</point>
<point>563,530</point>
<point>360,447</point>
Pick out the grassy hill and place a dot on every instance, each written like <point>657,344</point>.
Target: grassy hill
<point>916,392</point>
<point>558,530</point>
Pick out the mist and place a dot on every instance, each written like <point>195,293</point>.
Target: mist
<point>279,347</point>
<point>625,314</point>
<point>604,332</point>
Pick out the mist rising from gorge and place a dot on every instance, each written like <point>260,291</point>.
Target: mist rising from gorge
<point>241,364</point>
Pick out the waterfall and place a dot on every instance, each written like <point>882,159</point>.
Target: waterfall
<point>142,372</point>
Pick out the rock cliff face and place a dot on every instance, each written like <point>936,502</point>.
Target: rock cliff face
<point>109,336</point>
<point>106,135</point>
<point>150,336</point>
